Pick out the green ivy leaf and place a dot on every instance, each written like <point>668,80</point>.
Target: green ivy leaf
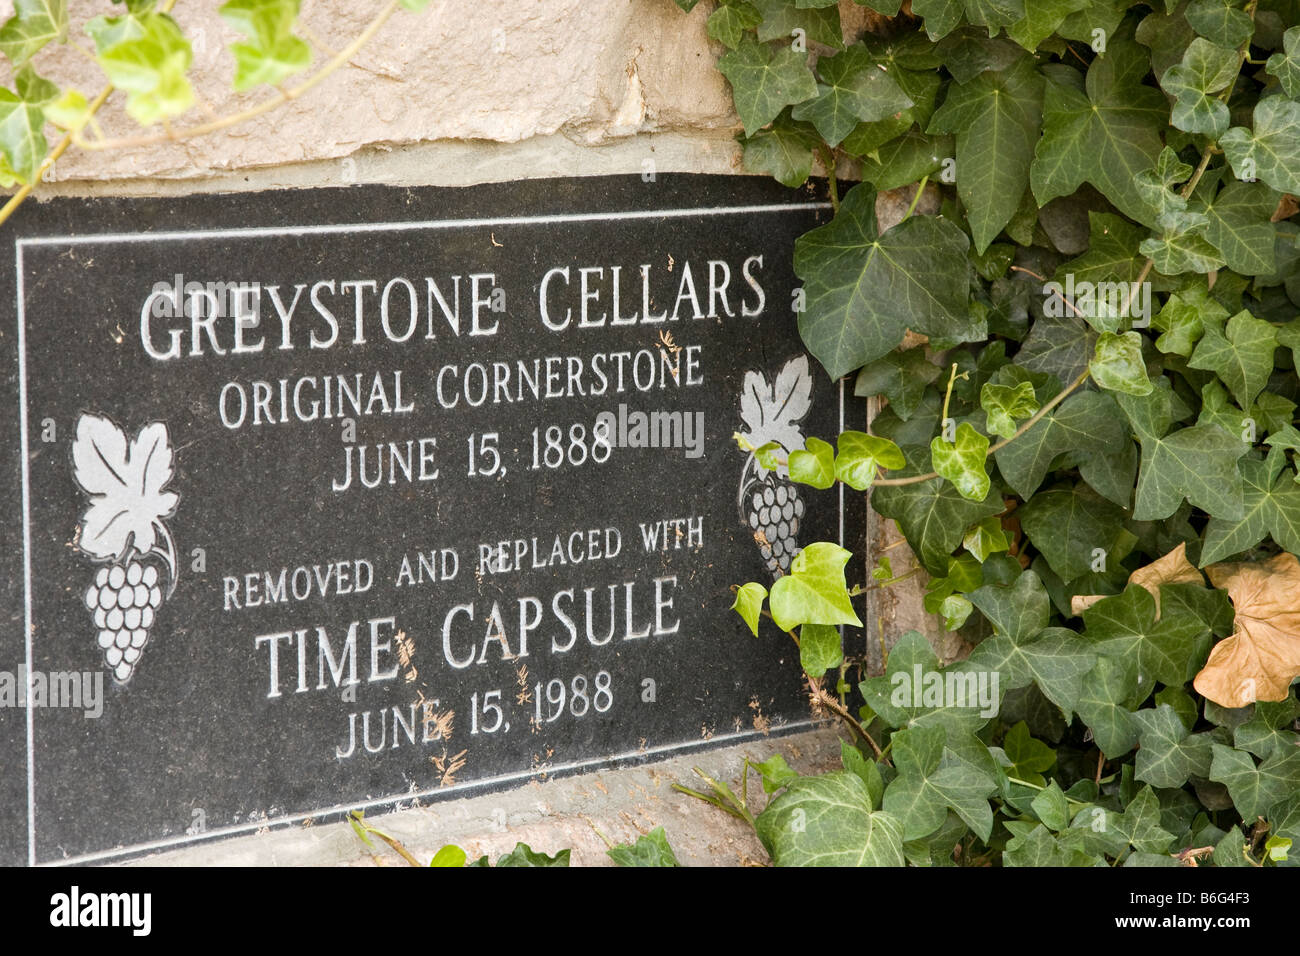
<point>923,791</point>
<point>1185,252</point>
<point>901,376</point>
<point>764,81</point>
<point>1238,226</point>
<point>1220,21</point>
<point>1286,65</point>
<point>1126,626</point>
<point>906,160</point>
<point>1271,151</point>
<point>34,24</point>
<point>1241,355</point>
<point>814,591</point>
<point>985,538</point>
<point>852,90</point>
<point>1268,733</point>
<point>1086,422</point>
<point>781,19</point>
<point>749,603</point>
<point>860,455</point>
<point>864,289</point>
<point>962,461</point>
<point>148,56</point>
<point>650,849</point>
<point>1030,758</point>
<point>814,464</point>
<point>1270,506</point>
<point>1004,404</point>
<point>1206,68</point>
<point>828,821</point>
<point>819,649</point>
<point>1068,524</point>
<point>1168,755</point>
<point>996,117</point>
<point>1051,807</point>
<point>942,16</point>
<point>33,88</point>
<point>932,515</point>
<point>1255,790</point>
<point>784,151</point>
<point>449,856</point>
<point>1102,696</point>
<point>1105,136</point>
<point>21,140</point>
<point>272,53</point>
<point>899,702</point>
<point>728,23</point>
<point>1117,364</point>
<point>1041,20</point>
<point>524,855</point>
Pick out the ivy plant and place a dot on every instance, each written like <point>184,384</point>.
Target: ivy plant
<point>1084,346</point>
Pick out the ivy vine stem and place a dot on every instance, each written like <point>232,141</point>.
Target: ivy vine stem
<point>1037,417</point>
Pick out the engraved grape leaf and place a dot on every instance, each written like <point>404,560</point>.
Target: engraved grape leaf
<point>125,482</point>
<point>772,412</point>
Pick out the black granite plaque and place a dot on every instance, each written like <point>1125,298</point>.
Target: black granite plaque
<point>327,499</point>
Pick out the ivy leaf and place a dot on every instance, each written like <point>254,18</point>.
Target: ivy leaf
<point>784,151</point>
<point>860,455</point>
<point>1286,65</point>
<point>1255,790</point>
<point>962,461</point>
<point>1206,68</point>
<point>1162,646</point>
<point>1101,707</point>
<point>1117,364</point>
<point>1220,21</point>
<point>814,591</point>
<point>942,16</point>
<point>650,849</point>
<point>1106,136</point>
<point>853,90</point>
<point>900,703</point>
<point>864,289</point>
<point>1270,506</point>
<point>21,138</point>
<point>985,538</point>
<point>1262,657</point>
<point>814,464</point>
<point>1241,355</point>
<point>1003,405</point>
<point>1042,17</point>
<point>1268,732</point>
<point>524,855</point>
<point>827,820</point>
<point>272,53</point>
<point>1112,254</point>
<point>728,23</point>
<point>34,24</point>
<point>996,117</point>
<point>1030,758</point>
<point>764,81</point>
<point>1051,807</point>
<point>906,160</point>
<point>1271,151</point>
<point>1068,525</point>
<point>1023,649</point>
<point>1140,824</point>
<point>148,56</point>
<point>749,604</point>
<point>1085,421</point>
<point>1038,848</point>
<point>1198,464</point>
<point>923,792</point>
<point>1156,186</point>
<point>781,19</point>
<point>1167,754</point>
<point>933,515</point>
<point>776,773</point>
<point>1185,252</point>
<point>819,649</point>
<point>901,376</point>
<point>1238,226</point>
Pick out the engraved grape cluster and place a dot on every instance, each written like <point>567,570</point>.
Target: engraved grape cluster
<point>775,512</point>
<point>123,601</point>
